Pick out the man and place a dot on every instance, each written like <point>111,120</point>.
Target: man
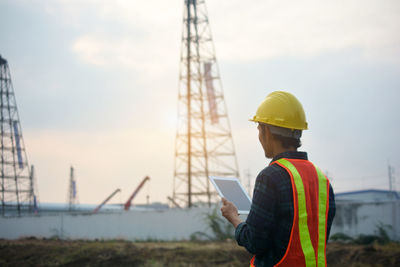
<point>293,202</point>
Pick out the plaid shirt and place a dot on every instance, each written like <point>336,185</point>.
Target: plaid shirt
<point>266,232</point>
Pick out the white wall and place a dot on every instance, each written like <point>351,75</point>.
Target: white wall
<point>363,218</point>
<point>174,224</point>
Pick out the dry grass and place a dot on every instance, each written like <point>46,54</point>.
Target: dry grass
<point>34,252</point>
<point>339,254</point>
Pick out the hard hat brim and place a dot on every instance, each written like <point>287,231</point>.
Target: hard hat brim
<point>256,120</point>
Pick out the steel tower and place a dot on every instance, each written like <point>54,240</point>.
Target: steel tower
<point>17,180</point>
<point>72,191</point>
<point>203,144</point>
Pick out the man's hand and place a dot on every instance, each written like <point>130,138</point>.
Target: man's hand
<point>230,212</point>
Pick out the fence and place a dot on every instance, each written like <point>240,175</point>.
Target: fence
<point>179,224</point>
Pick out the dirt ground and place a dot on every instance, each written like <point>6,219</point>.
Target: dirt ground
<point>34,252</point>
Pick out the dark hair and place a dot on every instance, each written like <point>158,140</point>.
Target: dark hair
<point>288,142</point>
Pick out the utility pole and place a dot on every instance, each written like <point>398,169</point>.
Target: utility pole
<point>17,185</point>
<point>203,144</point>
<point>34,208</point>
<point>392,182</point>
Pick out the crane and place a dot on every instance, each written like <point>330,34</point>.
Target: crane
<point>129,202</point>
<point>105,201</point>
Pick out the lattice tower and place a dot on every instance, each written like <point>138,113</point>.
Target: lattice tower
<point>17,182</point>
<point>204,144</point>
<point>72,191</point>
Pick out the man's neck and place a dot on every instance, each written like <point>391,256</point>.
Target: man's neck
<point>279,150</point>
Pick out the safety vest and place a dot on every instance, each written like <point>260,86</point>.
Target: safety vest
<point>307,243</point>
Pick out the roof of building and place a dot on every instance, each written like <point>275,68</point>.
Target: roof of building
<point>376,191</point>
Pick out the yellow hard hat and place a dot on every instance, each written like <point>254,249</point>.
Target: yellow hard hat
<point>281,109</point>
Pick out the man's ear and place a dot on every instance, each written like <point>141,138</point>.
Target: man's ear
<point>267,131</point>
<point>263,128</point>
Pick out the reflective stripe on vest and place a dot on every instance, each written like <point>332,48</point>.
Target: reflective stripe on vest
<point>300,222</point>
<point>323,185</point>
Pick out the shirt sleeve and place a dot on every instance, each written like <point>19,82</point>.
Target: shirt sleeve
<point>331,212</point>
<point>255,233</point>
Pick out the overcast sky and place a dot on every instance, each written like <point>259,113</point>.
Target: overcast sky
<point>96,83</point>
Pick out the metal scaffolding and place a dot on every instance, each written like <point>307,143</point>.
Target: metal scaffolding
<point>204,145</point>
<point>17,179</point>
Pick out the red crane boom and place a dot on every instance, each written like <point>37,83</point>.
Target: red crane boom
<point>129,202</point>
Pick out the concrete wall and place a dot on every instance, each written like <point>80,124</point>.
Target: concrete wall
<point>174,224</point>
<point>354,218</point>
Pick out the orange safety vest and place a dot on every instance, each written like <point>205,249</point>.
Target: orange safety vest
<point>307,244</point>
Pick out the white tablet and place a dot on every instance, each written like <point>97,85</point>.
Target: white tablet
<point>232,190</point>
